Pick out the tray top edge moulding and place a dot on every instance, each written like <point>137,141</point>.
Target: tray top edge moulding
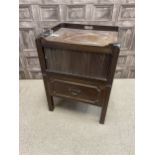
<point>86,35</point>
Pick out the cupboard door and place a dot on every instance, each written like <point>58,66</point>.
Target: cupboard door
<point>83,64</point>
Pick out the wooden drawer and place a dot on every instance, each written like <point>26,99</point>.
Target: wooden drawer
<point>77,91</point>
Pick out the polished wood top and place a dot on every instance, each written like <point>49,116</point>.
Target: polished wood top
<point>83,37</point>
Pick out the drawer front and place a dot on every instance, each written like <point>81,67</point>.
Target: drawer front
<point>77,91</point>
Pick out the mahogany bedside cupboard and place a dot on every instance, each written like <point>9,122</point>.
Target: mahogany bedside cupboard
<point>78,62</point>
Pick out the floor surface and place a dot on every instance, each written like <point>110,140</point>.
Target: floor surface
<point>73,128</point>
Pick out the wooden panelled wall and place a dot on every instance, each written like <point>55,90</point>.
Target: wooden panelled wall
<point>35,16</point>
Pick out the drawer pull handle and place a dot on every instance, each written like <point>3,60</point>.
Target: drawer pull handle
<point>88,27</point>
<point>74,91</point>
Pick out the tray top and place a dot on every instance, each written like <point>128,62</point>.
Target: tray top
<point>84,37</point>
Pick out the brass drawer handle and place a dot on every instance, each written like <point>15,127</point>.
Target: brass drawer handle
<point>88,27</point>
<point>74,91</point>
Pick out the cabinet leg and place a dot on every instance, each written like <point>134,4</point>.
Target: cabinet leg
<point>49,97</point>
<point>50,102</point>
<point>103,113</point>
<point>104,107</point>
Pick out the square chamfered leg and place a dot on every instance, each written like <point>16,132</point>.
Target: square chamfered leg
<point>104,106</point>
<point>103,114</point>
<point>50,102</point>
<point>49,97</point>
<point>43,69</point>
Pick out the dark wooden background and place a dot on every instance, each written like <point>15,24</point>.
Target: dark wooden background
<point>35,16</point>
